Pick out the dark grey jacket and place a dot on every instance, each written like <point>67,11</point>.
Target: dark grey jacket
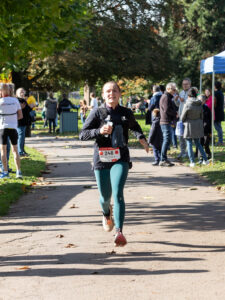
<point>192,117</point>
<point>51,108</point>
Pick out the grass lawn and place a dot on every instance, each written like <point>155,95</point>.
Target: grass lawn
<point>11,189</point>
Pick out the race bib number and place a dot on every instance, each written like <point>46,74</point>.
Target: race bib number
<point>109,154</point>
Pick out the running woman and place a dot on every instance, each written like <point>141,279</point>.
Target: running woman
<point>109,126</point>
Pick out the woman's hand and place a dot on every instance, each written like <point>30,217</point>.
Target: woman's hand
<point>144,143</point>
<point>106,129</point>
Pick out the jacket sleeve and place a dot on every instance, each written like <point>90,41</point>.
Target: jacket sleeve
<point>91,128</point>
<point>183,116</point>
<point>152,133</point>
<point>135,127</point>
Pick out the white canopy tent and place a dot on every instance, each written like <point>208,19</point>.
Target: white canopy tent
<point>212,65</point>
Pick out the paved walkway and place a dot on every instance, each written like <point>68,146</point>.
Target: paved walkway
<point>53,246</point>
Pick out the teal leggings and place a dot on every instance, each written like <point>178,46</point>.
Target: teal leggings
<point>111,182</point>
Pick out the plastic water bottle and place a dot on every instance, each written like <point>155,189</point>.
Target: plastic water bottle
<point>108,122</point>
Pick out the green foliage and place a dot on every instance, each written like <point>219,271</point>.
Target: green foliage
<point>38,27</point>
<point>195,31</point>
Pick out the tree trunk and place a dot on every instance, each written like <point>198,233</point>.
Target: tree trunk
<point>20,79</point>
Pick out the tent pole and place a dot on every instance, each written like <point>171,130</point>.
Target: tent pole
<point>213,96</point>
<point>200,88</point>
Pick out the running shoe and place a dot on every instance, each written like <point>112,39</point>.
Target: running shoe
<point>205,162</point>
<point>192,165</point>
<point>107,221</point>
<point>19,174</point>
<point>4,175</point>
<point>120,240</point>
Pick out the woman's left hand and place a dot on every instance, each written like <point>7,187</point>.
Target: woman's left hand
<point>144,143</point>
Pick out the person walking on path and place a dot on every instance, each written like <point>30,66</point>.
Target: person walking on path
<point>10,113</point>
<point>219,112</point>
<point>155,137</point>
<point>192,117</point>
<point>167,114</point>
<point>109,125</point>
<point>180,102</point>
<point>51,111</point>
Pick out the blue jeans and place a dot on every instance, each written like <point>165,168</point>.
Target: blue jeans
<point>219,130</point>
<point>8,153</point>
<point>156,153</point>
<point>82,117</point>
<point>190,150</point>
<point>111,182</point>
<point>173,136</point>
<point>21,138</point>
<point>166,131</point>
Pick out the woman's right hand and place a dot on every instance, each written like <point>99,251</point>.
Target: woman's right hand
<point>106,129</point>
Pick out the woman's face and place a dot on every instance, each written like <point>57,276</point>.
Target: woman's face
<point>111,94</point>
<point>207,93</point>
<point>21,94</point>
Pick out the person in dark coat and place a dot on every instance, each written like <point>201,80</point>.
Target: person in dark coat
<point>207,126</point>
<point>66,105</point>
<point>155,137</point>
<point>219,112</point>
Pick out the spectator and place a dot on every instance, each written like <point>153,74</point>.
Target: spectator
<point>180,102</point>
<point>31,101</point>
<point>219,112</point>
<point>192,117</point>
<point>83,110</point>
<point>207,126</point>
<point>155,136</point>
<point>154,101</point>
<point>94,102</point>
<point>66,105</point>
<point>167,114</point>
<point>51,111</point>
<point>24,122</point>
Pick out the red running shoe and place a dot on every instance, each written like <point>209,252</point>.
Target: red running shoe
<point>120,240</point>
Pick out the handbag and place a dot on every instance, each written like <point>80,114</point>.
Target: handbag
<point>179,128</point>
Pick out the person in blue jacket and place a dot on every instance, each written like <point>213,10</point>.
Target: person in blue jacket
<point>109,126</point>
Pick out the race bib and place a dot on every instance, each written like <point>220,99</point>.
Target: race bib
<point>109,154</point>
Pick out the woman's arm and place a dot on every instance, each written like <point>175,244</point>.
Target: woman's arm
<point>91,128</point>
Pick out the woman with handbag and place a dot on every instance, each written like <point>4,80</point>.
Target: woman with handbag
<point>192,117</point>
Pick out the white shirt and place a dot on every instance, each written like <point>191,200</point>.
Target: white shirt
<point>8,112</point>
<point>94,103</point>
<point>184,95</point>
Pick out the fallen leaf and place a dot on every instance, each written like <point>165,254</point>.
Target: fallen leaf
<point>147,197</point>
<point>70,246</point>
<point>73,206</point>
<point>33,183</point>
<point>111,252</point>
<point>43,197</point>
<point>87,186</point>
<point>192,189</point>
<point>46,172</point>
<point>95,272</point>
<point>60,236</point>
<point>23,187</point>
<point>23,268</point>
<point>218,188</point>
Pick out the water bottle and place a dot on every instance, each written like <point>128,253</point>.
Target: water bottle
<point>108,122</point>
